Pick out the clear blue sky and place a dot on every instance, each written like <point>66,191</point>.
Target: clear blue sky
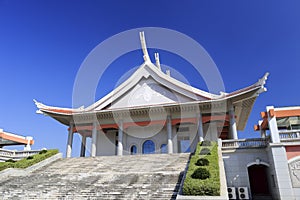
<point>43,43</point>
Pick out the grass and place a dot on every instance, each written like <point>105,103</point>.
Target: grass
<point>209,186</point>
<point>30,160</point>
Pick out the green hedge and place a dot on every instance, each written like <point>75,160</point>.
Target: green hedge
<point>202,162</point>
<point>205,151</point>
<point>30,160</point>
<point>209,186</point>
<point>201,173</point>
<point>206,143</point>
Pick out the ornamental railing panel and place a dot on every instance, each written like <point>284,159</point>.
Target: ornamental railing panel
<point>245,143</point>
<point>289,135</point>
<point>16,155</point>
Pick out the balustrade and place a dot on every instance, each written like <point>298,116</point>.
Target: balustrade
<point>245,143</point>
<point>16,155</point>
<point>289,135</point>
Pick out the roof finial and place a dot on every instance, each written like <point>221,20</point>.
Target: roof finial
<point>144,47</point>
<point>157,60</point>
<point>262,81</point>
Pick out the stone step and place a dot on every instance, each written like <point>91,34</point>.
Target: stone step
<point>113,177</point>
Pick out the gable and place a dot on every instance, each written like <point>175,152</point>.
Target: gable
<point>148,92</point>
<point>149,86</point>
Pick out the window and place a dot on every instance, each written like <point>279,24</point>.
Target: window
<point>133,150</point>
<point>183,144</point>
<point>183,129</point>
<point>148,147</point>
<point>163,148</point>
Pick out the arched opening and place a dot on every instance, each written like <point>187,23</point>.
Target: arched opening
<point>259,183</point>
<point>148,147</point>
<point>133,150</point>
<point>163,148</point>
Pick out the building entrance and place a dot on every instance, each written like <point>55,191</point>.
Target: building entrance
<point>259,182</point>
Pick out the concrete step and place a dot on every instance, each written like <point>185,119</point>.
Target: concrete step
<point>114,177</point>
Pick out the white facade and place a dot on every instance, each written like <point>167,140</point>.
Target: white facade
<point>151,112</point>
<point>271,163</point>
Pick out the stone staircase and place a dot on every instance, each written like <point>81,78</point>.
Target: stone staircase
<point>155,176</point>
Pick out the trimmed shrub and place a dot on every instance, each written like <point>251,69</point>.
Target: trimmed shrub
<point>203,187</point>
<point>29,157</point>
<point>201,173</point>
<point>43,151</point>
<point>205,151</point>
<point>208,189</point>
<point>202,162</point>
<point>10,161</point>
<point>206,143</point>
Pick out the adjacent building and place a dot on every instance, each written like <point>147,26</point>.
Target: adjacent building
<point>269,166</point>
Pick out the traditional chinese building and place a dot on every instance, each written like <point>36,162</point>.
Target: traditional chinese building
<point>152,112</point>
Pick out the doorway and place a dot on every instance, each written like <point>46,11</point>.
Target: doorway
<point>259,182</point>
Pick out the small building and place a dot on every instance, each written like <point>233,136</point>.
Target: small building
<point>269,166</point>
<point>11,139</point>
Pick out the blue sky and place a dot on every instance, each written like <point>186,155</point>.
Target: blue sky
<point>43,43</point>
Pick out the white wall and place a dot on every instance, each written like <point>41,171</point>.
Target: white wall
<point>106,144</point>
<point>294,164</point>
<point>279,168</point>
<point>210,131</point>
<point>138,135</point>
<point>236,161</point>
<point>148,92</point>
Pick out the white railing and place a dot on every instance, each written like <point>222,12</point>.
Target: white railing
<point>16,155</point>
<point>289,135</point>
<point>245,143</point>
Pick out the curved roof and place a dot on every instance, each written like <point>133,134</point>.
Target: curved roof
<point>149,73</point>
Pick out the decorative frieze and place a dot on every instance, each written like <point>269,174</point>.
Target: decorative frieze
<point>295,173</point>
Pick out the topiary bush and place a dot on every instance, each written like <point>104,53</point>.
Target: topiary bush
<point>202,162</point>
<point>207,189</point>
<point>43,151</point>
<point>201,173</point>
<point>206,143</point>
<point>204,151</point>
<point>29,157</point>
<point>203,187</point>
<point>10,161</point>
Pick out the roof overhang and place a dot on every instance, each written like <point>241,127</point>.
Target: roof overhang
<point>13,139</point>
<point>243,103</point>
<point>242,100</point>
<point>279,113</point>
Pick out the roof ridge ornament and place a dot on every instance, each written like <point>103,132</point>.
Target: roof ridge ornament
<point>157,60</point>
<point>144,47</point>
<point>262,81</point>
